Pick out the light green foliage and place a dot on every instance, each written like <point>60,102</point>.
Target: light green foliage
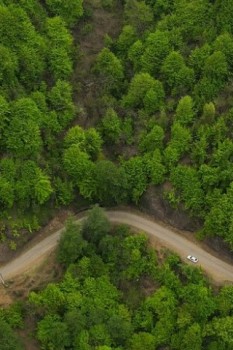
<point>126,39</point>
<point>192,17</point>
<point>88,140</point>
<point>136,176</point>
<point>6,193</point>
<point>138,14</point>
<point>198,301</point>
<point>71,245</point>
<point>23,138</point>
<point>225,300</point>
<point>76,162</point>
<point>59,46</point>
<point>94,142</point>
<point>222,329</point>
<point>154,98</point>
<point>198,58</point>
<point>151,141</point>
<point>70,10</point>
<point>75,135</point>
<point>208,112</point>
<point>218,220</point>
<point>181,177</point>
<point>111,126</point>
<point>184,111</point>
<point>63,191</point>
<point>134,54</point>
<point>178,145</point>
<point>110,71</point>
<point>60,99</point>
<point>32,184</point>
<point>52,333</point>
<point>43,187</point>
<point>155,168</point>
<point>224,44</point>
<point>177,75</point>
<point>216,67</point>
<point>142,340</point>
<point>144,90</point>
<point>26,109</point>
<point>157,47</point>
<point>190,338</point>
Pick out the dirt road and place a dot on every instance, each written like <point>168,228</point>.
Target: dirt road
<point>219,270</point>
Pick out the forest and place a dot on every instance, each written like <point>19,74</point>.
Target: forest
<point>116,293</point>
<point>160,116</point>
<point>163,115</point>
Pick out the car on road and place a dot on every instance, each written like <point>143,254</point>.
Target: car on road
<point>192,258</point>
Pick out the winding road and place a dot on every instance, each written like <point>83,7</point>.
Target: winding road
<point>217,269</point>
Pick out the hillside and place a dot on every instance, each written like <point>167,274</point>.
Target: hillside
<point>118,102</point>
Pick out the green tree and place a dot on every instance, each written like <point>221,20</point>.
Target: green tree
<point>137,177</point>
<point>157,47</point>
<point>71,245</point>
<point>59,46</point>
<point>139,87</point>
<point>142,340</point>
<point>96,225</point>
<point>52,333</point>
<point>134,54</point>
<point>155,168</point>
<point>23,138</point>
<point>70,11</point>
<point>151,141</point>
<point>9,341</point>
<point>111,183</point>
<point>198,58</point>
<point>110,71</point>
<point>216,67</point>
<point>75,135</point>
<point>138,14</point>
<point>60,99</point>
<point>111,126</point>
<point>184,111</point>
<point>125,40</point>
<point>177,75</point>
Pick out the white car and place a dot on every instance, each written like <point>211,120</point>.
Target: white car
<point>192,258</point>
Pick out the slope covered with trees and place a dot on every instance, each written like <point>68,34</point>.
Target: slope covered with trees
<point>164,108</point>
<point>167,92</point>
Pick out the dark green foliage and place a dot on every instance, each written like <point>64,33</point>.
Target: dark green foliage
<point>8,339</point>
<point>96,225</point>
<point>111,183</point>
<point>138,14</point>
<point>71,245</point>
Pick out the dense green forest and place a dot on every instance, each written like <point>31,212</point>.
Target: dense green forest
<point>161,115</point>
<point>117,293</point>
<point>164,110</point>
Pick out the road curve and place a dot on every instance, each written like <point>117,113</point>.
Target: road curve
<point>219,270</point>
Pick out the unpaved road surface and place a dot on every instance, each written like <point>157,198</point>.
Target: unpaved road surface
<point>217,269</point>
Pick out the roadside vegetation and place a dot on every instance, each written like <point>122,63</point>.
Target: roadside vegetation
<point>117,293</point>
